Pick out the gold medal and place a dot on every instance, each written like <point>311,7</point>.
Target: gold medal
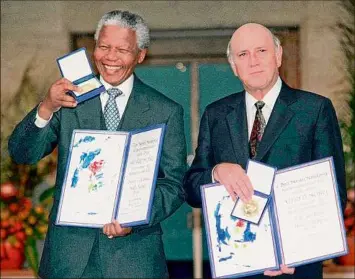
<point>87,87</point>
<point>250,208</point>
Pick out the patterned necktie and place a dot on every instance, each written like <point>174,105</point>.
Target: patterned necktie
<point>111,113</point>
<point>258,128</point>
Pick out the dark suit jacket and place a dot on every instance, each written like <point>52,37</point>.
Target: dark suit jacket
<point>302,127</point>
<point>67,249</point>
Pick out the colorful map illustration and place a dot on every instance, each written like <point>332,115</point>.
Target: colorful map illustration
<point>88,163</point>
<point>234,236</point>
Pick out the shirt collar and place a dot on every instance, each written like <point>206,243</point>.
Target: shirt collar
<point>270,97</point>
<point>126,86</point>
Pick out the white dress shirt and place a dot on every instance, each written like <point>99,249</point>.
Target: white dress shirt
<point>269,100</point>
<point>121,101</point>
<point>126,88</point>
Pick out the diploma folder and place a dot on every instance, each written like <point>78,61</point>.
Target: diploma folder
<point>302,224</point>
<point>110,175</point>
<point>76,67</point>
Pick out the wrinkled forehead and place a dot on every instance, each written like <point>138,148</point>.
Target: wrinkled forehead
<point>251,37</point>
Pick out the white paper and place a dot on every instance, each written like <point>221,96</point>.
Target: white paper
<point>139,176</point>
<point>261,176</point>
<point>308,216</point>
<point>91,186</point>
<point>235,246</point>
<point>75,66</point>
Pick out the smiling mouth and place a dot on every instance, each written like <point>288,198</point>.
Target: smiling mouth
<point>108,67</point>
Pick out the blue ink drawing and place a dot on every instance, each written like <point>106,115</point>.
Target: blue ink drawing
<point>86,139</point>
<point>88,163</point>
<point>232,233</point>
<point>86,159</point>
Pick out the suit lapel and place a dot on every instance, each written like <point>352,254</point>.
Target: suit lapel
<point>280,116</point>
<point>238,129</point>
<point>89,114</point>
<point>135,114</point>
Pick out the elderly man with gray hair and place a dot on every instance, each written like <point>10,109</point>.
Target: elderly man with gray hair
<point>268,122</point>
<point>122,39</point>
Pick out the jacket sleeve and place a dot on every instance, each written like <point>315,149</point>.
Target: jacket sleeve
<point>328,142</point>
<point>28,143</point>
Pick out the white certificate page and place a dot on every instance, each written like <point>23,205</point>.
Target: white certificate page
<point>138,184</point>
<point>236,247</point>
<point>308,213</point>
<point>91,187</point>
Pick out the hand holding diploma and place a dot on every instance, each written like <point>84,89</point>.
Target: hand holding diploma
<point>57,97</point>
<point>290,233</point>
<point>114,229</point>
<point>283,270</point>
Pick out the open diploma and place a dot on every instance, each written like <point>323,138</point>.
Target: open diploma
<point>110,175</point>
<point>303,224</point>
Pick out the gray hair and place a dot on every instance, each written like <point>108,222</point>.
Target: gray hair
<point>129,20</point>
<point>276,40</point>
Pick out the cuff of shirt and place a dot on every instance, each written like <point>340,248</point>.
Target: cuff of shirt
<point>40,122</point>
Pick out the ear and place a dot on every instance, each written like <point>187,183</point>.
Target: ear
<point>234,68</point>
<point>279,56</point>
<point>141,55</point>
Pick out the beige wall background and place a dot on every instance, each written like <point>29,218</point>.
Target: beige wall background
<point>35,33</point>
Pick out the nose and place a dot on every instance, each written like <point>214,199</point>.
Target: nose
<point>253,60</point>
<point>111,54</point>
